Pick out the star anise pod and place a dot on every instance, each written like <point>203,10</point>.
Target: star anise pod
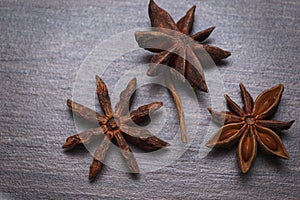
<point>178,49</point>
<point>251,125</point>
<point>175,50</point>
<point>117,127</point>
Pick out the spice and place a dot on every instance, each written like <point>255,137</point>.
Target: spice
<point>178,52</point>
<point>116,127</point>
<point>175,50</point>
<point>251,125</point>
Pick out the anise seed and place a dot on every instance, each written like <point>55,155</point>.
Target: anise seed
<point>247,148</point>
<point>228,134</point>
<point>268,141</point>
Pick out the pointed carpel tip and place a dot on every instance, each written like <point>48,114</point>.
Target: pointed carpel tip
<point>160,103</point>
<point>211,29</point>
<point>134,80</point>
<point>281,86</point>
<point>151,72</point>
<point>69,103</point>
<point>244,168</point>
<point>135,170</point>
<point>152,3</point>
<point>99,82</point>
<point>67,146</point>
<point>242,87</point>
<point>205,90</point>
<point>285,155</point>
<point>204,87</point>
<point>98,79</point>
<point>291,122</point>
<point>132,83</point>
<point>166,144</point>
<point>137,35</point>
<point>227,54</point>
<point>91,177</point>
<point>209,144</point>
<point>193,8</point>
<point>155,106</point>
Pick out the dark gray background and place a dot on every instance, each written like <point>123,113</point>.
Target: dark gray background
<point>43,44</point>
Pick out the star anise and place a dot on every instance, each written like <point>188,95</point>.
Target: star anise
<point>178,51</point>
<point>117,127</point>
<point>251,125</point>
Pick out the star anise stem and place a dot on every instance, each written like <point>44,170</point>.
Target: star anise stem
<point>179,108</point>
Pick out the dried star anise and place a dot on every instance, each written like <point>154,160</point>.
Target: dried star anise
<point>117,127</point>
<point>251,125</point>
<point>179,52</point>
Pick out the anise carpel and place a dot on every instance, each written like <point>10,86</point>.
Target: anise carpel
<point>251,126</point>
<point>176,47</point>
<point>117,127</point>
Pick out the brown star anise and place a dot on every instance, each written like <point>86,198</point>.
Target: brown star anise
<point>178,49</point>
<point>181,52</point>
<point>251,125</point>
<point>116,127</point>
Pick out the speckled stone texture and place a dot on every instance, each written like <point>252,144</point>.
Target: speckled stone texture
<point>43,43</point>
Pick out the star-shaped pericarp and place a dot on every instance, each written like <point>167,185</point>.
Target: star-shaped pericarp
<point>251,125</point>
<point>117,127</point>
<point>176,47</point>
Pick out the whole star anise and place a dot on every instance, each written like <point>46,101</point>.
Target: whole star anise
<point>178,49</point>
<point>117,127</point>
<point>181,52</point>
<point>251,125</point>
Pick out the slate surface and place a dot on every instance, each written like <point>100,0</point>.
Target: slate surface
<point>43,44</point>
